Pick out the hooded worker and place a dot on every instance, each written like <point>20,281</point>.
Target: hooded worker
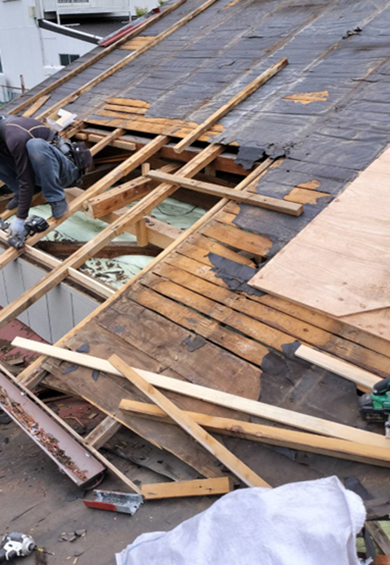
<point>30,158</point>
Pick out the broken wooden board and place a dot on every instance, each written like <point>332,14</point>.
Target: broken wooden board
<point>340,263</point>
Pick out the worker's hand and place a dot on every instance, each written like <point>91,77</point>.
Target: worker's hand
<point>17,227</point>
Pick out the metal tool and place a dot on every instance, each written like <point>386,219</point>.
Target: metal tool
<point>33,225</point>
<point>115,501</point>
<point>375,405</point>
<point>16,544</point>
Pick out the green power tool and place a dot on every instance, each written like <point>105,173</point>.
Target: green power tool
<point>375,405</point>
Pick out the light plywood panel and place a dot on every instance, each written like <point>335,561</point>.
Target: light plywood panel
<point>340,263</point>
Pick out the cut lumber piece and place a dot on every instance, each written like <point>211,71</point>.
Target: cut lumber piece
<point>103,432</point>
<point>208,188</point>
<point>240,470</point>
<point>260,409</point>
<point>363,379</point>
<point>64,249</point>
<point>233,102</point>
<point>107,140</point>
<point>181,489</point>
<point>33,373</point>
<point>271,435</point>
<point>35,107</point>
<point>99,55</point>
<point>72,432</point>
<point>128,59</point>
<point>106,182</point>
<point>90,249</point>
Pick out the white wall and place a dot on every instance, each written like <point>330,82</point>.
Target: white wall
<point>53,315</point>
<point>28,50</point>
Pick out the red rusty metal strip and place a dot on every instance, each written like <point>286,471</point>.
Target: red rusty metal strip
<point>70,456</point>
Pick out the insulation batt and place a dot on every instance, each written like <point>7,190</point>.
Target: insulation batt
<point>306,523</point>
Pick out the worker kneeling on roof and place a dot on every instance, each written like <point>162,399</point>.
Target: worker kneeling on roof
<point>34,157</point>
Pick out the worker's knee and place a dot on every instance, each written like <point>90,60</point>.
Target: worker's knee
<point>37,150</point>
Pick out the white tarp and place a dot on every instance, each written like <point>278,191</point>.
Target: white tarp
<point>307,523</point>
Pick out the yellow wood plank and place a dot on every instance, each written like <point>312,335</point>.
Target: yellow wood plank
<point>181,489</point>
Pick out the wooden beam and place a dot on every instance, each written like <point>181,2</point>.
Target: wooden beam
<point>217,397</point>
<point>272,435</point>
<point>63,249</point>
<point>362,378</point>
<point>35,107</point>
<point>246,475</point>
<point>103,432</point>
<point>128,59</point>
<point>106,182</point>
<point>200,487</point>
<point>233,102</point>
<point>107,141</point>
<point>92,247</point>
<point>222,192</point>
<point>92,60</point>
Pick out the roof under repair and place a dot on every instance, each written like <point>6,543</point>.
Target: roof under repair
<point>191,314</point>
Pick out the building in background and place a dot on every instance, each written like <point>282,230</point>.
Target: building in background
<point>39,37</point>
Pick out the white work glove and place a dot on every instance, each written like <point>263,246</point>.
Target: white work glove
<point>17,227</point>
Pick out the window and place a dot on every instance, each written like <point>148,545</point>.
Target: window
<point>67,59</point>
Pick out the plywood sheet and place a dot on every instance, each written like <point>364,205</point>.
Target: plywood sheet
<point>340,263</point>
